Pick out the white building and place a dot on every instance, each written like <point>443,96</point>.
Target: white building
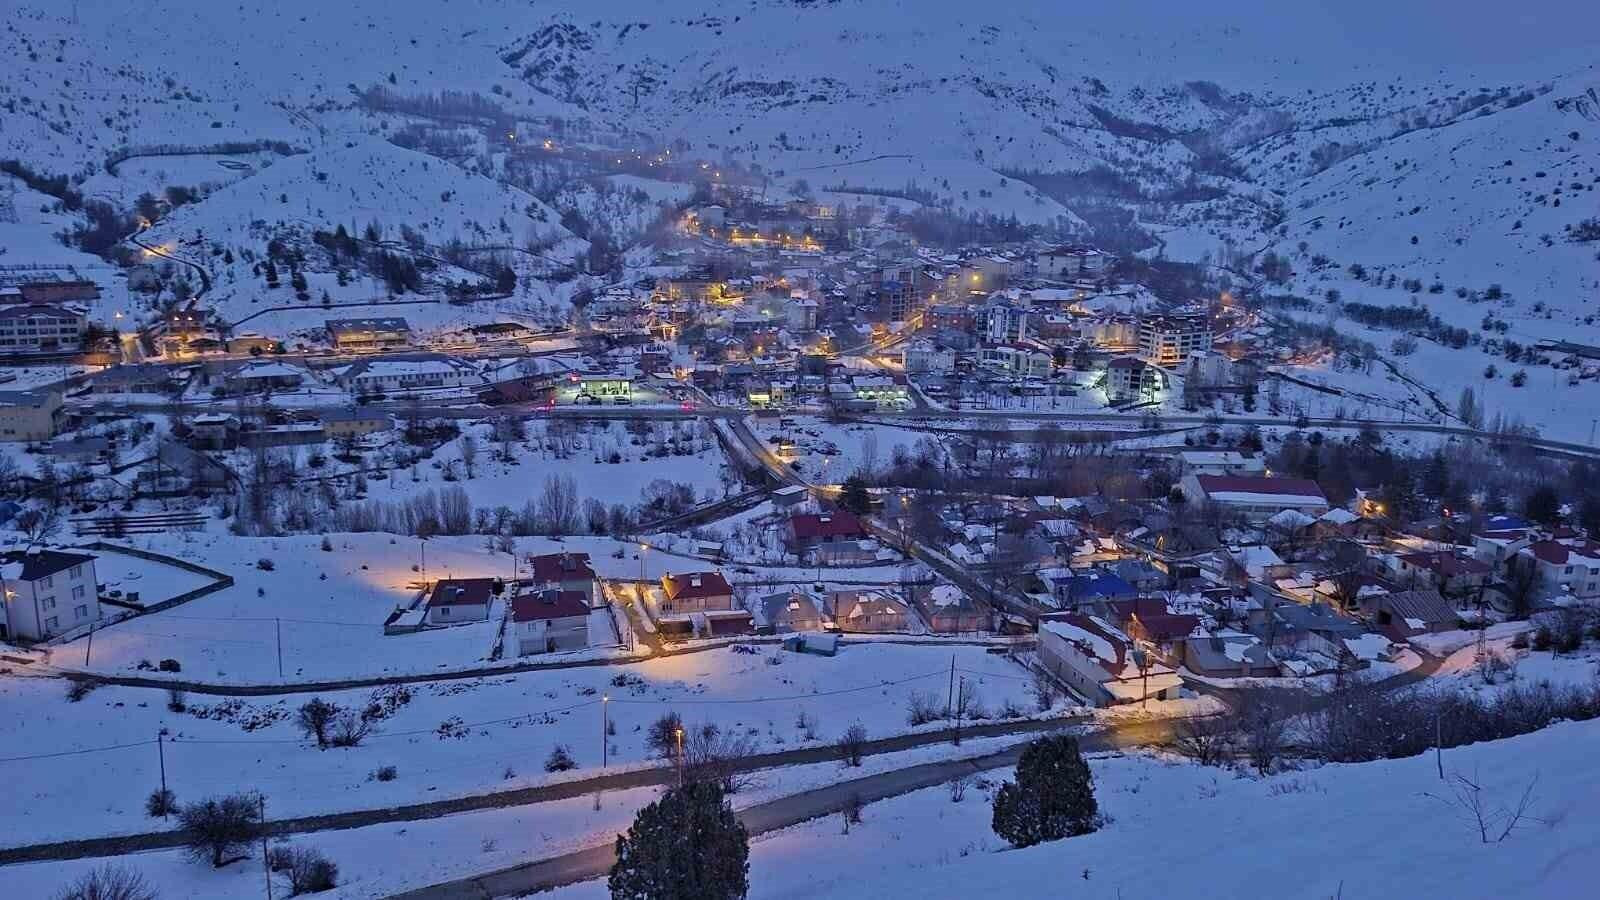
<point>1168,340</point>
<point>548,620</point>
<point>1025,361</point>
<point>458,601</point>
<point>923,357</point>
<point>1071,262</point>
<point>47,592</point>
<point>41,328</point>
<point>1254,497</point>
<point>393,376</point>
<point>1221,462</point>
<point>1100,663</point>
<point>1567,567</point>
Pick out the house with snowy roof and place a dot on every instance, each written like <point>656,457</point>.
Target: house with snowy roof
<point>1100,663</point>
<point>1567,567</point>
<point>1255,498</point>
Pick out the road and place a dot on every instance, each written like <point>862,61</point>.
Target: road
<point>595,861</point>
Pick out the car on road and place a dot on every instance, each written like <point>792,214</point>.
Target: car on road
<point>586,400</point>
<point>623,401</point>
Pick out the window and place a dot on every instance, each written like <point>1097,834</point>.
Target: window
<point>1567,572</point>
<point>444,612</point>
<point>47,603</point>
<point>52,623</point>
<point>81,611</point>
<point>50,580</point>
<point>75,572</point>
<point>77,592</point>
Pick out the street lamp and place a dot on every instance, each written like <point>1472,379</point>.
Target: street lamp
<point>605,730</point>
<point>1141,658</point>
<point>678,733</point>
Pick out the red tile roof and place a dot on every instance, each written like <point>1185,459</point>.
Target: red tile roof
<point>1447,564</point>
<point>695,585</point>
<point>461,592</point>
<point>821,526</point>
<point>560,567</point>
<point>548,604</point>
<point>1258,484</point>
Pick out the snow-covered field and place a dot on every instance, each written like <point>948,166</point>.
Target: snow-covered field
<point>379,860</point>
<point>1181,830</point>
<point>454,737</point>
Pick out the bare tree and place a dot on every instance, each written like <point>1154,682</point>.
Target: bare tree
<point>108,882</point>
<point>1045,690</point>
<point>852,745</point>
<point>1204,739</point>
<point>1494,822</point>
<point>38,524</point>
<point>469,453</point>
<point>711,754</point>
<point>1264,724</point>
<point>219,826</point>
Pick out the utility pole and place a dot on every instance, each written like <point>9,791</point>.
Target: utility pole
<point>161,753</point>
<point>266,864</point>
<point>89,646</point>
<point>950,695</point>
<point>605,730</point>
<point>277,626</point>
<point>961,701</point>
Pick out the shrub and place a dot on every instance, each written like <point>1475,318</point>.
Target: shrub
<point>922,708</point>
<point>852,745</point>
<point>560,759</point>
<point>169,665</point>
<point>386,773</point>
<point>79,688</point>
<point>108,882</point>
<point>348,729</point>
<point>161,803</point>
<point>1053,796</point>
<point>265,565</point>
<point>314,717</point>
<point>219,826</point>
<point>310,872</point>
<point>176,700</point>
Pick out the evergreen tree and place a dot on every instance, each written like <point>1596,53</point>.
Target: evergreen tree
<point>1399,494</point>
<point>854,496</point>
<point>1436,476</point>
<point>686,846</point>
<point>1053,796</point>
<point>1543,505</point>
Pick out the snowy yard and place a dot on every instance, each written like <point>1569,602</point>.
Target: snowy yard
<point>458,737</point>
<point>1181,830</point>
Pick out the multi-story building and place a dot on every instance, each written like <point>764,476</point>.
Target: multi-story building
<point>1168,340</point>
<point>900,290</point>
<point>369,334</point>
<point>46,593</point>
<point>29,415</point>
<point>1072,262</point>
<point>925,357</point>
<point>41,328</point>
<point>1128,379</point>
<point>1028,362</point>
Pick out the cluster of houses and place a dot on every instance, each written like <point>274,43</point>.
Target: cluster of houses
<point>554,604</point>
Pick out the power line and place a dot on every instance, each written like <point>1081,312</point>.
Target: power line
<point>61,753</point>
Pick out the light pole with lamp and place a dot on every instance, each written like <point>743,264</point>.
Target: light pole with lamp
<point>1141,658</point>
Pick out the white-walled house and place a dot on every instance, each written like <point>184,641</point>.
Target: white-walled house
<point>1096,660</point>
<point>548,620</point>
<point>1254,497</point>
<point>457,601</point>
<point>47,592</point>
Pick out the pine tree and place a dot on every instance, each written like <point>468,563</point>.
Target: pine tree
<point>854,496</point>
<point>1436,476</point>
<point>686,846</point>
<point>1053,796</point>
<point>1543,505</point>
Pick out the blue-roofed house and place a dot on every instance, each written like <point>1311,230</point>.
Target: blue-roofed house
<point>1094,589</point>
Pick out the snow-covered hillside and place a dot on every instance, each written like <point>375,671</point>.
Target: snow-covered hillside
<point>1220,129</point>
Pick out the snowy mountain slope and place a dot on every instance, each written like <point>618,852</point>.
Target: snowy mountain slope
<point>1458,208</point>
<point>1237,124</point>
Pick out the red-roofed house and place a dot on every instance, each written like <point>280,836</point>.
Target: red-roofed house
<point>1570,567</point>
<point>1447,573</point>
<point>547,620</point>
<point>1097,661</point>
<point>456,601</point>
<point>695,592</point>
<point>808,531</point>
<point>567,571</point>
<point>1147,621</point>
<point>1256,498</point>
